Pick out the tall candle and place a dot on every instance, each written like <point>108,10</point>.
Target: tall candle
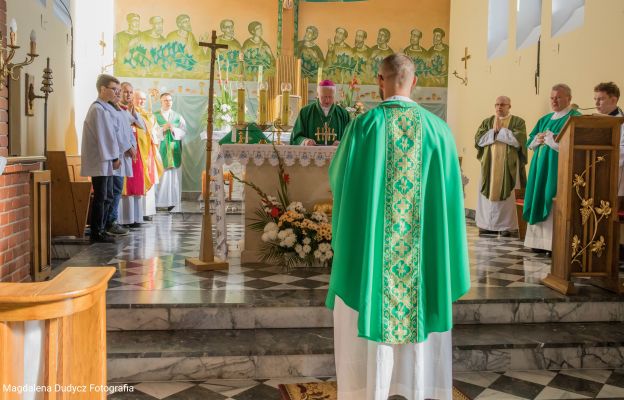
<point>262,106</point>
<point>33,42</point>
<point>298,74</point>
<point>240,118</point>
<point>285,107</point>
<point>319,75</point>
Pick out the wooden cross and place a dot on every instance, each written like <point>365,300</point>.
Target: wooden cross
<point>207,260</point>
<point>465,58</point>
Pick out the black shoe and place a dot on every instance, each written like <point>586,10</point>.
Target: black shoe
<point>102,238</point>
<point>504,233</point>
<point>170,208</point>
<point>148,218</point>
<point>539,251</point>
<point>486,232</point>
<point>135,225</point>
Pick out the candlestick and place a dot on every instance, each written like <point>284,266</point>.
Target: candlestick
<point>13,32</point>
<point>285,107</point>
<point>241,105</point>
<point>262,105</point>
<point>33,42</point>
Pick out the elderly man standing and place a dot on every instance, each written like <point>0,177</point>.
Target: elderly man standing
<point>501,149</point>
<point>542,182</point>
<point>400,250</point>
<point>318,113</point>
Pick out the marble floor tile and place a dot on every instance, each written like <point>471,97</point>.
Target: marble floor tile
<point>550,393</point>
<point>160,390</point>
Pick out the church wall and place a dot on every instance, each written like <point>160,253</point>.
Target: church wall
<point>581,58</point>
<point>54,41</point>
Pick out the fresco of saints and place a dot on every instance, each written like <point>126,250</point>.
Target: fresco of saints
<point>378,52</point>
<point>257,52</point>
<point>419,55</point>
<point>124,41</point>
<point>339,62</point>
<point>153,38</point>
<point>310,54</point>
<point>228,58</point>
<point>360,53</point>
<point>438,59</point>
<point>184,36</point>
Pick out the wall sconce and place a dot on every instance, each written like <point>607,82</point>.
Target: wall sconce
<point>46,88</point>
<point>8,69</point>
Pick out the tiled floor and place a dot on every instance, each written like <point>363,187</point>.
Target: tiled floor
<point>538,385</point>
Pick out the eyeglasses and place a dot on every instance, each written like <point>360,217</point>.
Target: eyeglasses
<point>114,89</point>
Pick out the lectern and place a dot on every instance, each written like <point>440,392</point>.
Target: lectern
<point>586,229</point>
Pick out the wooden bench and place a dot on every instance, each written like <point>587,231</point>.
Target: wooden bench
<point>70,195</point>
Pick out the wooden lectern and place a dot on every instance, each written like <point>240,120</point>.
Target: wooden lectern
<point>586,227</point>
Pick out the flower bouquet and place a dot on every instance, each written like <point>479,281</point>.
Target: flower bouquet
<point>291,234</point>
<point>349,102</point>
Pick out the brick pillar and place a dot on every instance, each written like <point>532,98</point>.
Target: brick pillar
<point>14,198</point>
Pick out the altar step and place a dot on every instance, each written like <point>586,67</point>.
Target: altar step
<point>307,310</point>
<point>264,353</point>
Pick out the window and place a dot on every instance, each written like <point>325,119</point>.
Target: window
<point>498,28</point>
<point>62,9</point>
<point>567,15</point>
<point>528,22</point>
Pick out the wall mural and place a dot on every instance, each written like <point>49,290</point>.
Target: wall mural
<point>342,62</point>
<point>151,54</point>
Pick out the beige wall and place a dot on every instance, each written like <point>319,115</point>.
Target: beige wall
<point>54,41</point>
<point>580,58</point>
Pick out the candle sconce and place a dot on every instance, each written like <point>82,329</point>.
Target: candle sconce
<point>7,68</point>
<point>279,128</point>
<point>46,88</point>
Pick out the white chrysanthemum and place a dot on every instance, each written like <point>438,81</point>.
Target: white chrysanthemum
<point>317,254</point>
<point>307,248</point>
<point>288,241</point>
<point>272,235</point>
<point>319,216</point>
<point>307,240</point>
<point>271,226</point>
<point>295,206</point>
<point>265,237</point>
<point>299,248</point>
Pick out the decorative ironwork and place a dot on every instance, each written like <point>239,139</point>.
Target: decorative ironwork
<point>588,211</point>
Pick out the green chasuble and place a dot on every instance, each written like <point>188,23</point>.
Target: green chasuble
<point>312,117</point>
<point>170,149</point>
<point>542,181</point>
<point>514,159</point>
<point>399,231</point>
<point>254,135</point>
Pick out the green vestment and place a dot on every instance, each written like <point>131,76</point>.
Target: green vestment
<point>399,232</point>
<point>170,148</point>
<point>312,117</point>
<point>515,158</point>
<point>254,135</point>
<point>542,182</point>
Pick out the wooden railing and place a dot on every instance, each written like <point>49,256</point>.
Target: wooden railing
<point>59,328</point>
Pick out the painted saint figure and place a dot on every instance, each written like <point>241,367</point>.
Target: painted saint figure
<point>339,60</point>
<point>360,52</point>
<point>438,59</point>
<point>228,58</point>
<point>124,41</point>
<point>153,38</point>
<point>257,52</point>
<point>418,55</point>
<point>310,53</point>
<point>378,52</point>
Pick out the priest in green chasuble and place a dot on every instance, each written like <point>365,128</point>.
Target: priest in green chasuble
<point>169,129</point>
<point>542,181</point>
<point>400,249</point>
<point>315,115</point>
<point>501,149</point>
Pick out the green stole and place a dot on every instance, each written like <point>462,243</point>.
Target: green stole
<point>542,181</point>
<point>254,135</point>
<point>398,224</point>
<point>170,149</point>
<point>312,117</point>
<point>515,159</point>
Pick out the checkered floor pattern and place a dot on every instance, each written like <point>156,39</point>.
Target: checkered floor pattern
<point>154,257</point>
<point>538,385</point>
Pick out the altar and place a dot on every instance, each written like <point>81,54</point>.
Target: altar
<point>306,166</point>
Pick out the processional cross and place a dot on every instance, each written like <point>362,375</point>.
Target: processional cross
<point>207,260</point>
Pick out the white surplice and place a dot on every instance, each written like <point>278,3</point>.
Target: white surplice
<point>169,189</point>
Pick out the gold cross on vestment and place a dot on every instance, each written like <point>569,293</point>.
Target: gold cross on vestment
<point>465,58</point>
